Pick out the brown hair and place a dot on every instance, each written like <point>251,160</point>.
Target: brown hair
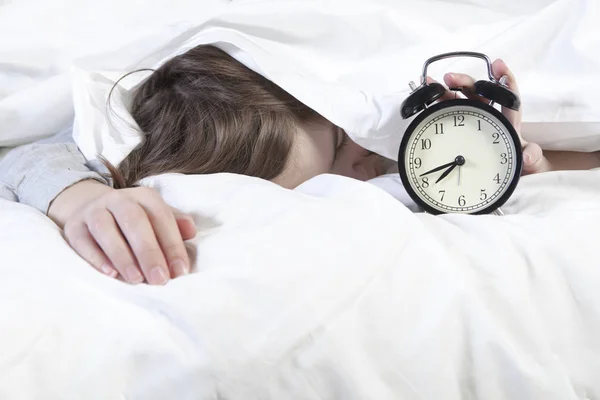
<point>203,112</point>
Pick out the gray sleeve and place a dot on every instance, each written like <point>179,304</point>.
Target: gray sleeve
<point>35,174</point>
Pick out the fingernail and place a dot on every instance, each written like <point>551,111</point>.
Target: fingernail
<point>451,76</point>
<point>158,276</point>
<point>108,270</point>
<point>134,275</point>
<point>527,158</point>
<point>180,267</point>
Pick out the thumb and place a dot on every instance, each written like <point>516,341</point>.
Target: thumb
<point>185,223</point>
<point>533,160</point>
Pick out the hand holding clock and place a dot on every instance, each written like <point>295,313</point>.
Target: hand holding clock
<point>486,144</point>
<point>533,156</point>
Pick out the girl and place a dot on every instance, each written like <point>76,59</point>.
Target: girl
<point>201,112</point>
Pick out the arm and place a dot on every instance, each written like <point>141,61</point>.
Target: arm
<point>36,174</point>
<point>534,159</point>
<point>572,160</point>
<point>129,232</point>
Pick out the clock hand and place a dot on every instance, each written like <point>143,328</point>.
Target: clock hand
<point>447,172</point>
<point>431,171</point>
<point>460,161</point>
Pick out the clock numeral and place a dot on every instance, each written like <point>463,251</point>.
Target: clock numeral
<point>425,182</point>
<point>461,201</point>
<point>418,162</point>
<point>496,137</point>
<point>503,158</point>
<point>459,120</point>
<point>478,124</point>
<point>497,178</point>
<point>425,144</point>
<point>442,192</point>
<point>439,129</point>
<point>483,195</point>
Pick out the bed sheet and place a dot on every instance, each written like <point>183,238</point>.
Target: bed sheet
<point>3,151</point>
<point>344,295</point>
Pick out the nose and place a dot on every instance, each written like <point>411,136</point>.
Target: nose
<point>355,152</point>
<point>370,166</point>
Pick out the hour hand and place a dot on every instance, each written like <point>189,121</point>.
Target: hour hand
<point>441,167</point>
<point>446,172</point>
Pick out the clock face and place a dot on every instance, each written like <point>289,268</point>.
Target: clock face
<point>460,156</point>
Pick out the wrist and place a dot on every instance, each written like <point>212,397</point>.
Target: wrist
<point>74,198</point>
<point>573,160</point>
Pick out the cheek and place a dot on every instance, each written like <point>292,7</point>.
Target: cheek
<point>356,162</point>
<point>349,161</point>
<point>314,156</point>
<point>310,156</point>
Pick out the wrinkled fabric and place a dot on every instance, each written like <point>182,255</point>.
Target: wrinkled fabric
<point>350,60</point>
<point>344,295</point>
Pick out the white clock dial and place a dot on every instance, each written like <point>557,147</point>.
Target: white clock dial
<point>460,159</point>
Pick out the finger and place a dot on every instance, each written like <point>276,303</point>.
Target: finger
<point>500,69</point>
<point>533,160</point>
<point>134,223</point>
<point>186,224</point>
<point>80,239</point>
<point>466,82</point>
<point>446,96</point>
<point>187,228</point>
<point>458,80</point>
<point>167,233</point>
<point>105,232</point>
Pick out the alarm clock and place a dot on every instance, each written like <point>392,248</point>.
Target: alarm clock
<point>460,155</point>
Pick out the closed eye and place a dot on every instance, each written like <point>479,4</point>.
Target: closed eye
<point>342,143</point>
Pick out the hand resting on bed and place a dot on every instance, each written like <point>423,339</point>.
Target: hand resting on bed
<point>134,234</point>
<point>129,232</point>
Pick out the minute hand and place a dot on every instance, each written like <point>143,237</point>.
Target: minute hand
<point>445,174</point>
<point>436,169</point>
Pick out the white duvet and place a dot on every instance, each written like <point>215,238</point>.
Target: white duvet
<point>351,60</point>
<point>346,295</point>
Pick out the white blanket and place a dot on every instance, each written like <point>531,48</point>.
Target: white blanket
<point>344,294</point>
<point>348,295</point>
<point>351,60</point>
